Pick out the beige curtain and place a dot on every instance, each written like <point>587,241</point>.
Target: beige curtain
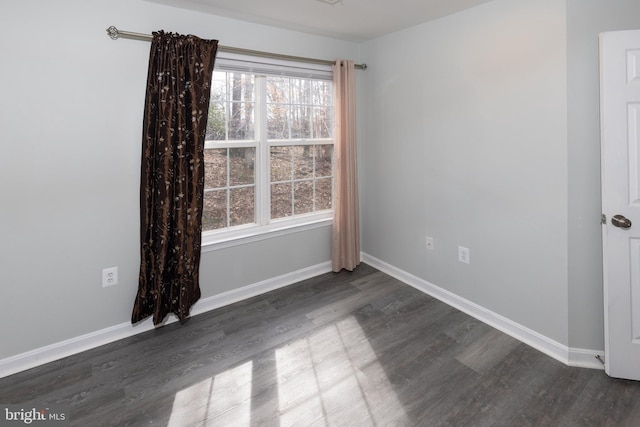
<point>345,248</point>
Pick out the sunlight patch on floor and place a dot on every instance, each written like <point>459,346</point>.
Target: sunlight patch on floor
<point>225,398</point>
<point>334,376</point>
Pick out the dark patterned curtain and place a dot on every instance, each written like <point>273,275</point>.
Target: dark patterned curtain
<point>172,176</point>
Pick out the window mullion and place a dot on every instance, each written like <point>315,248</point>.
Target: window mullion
<point>228,187</point>
<point>293,180</point>
<point>313,173</point>
<point>263,191</point>
<point>227,108</point>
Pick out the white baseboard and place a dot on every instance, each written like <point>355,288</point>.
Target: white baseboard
<point>53,352</point>
<point>259,288</point>
<point>569,356</point>
<point>582,358</point>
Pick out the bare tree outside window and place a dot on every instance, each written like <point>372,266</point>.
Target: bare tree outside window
<point>297,145</point>
<point>300,114</point>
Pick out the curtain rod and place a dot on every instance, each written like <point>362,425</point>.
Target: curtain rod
<point>115,34</point>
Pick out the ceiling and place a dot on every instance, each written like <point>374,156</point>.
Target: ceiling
<point>351,20</point>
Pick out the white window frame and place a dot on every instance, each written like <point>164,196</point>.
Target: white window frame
<point>264,227</point>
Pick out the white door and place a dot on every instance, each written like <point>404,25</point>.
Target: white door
<point>620,139</point>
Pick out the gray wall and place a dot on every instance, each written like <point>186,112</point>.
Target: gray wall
<point>498,135</point>
<point>586,19</point>
<point>465,141</point>
<point>71,114</point>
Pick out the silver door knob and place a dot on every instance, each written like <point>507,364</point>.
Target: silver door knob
<point>620,221</point>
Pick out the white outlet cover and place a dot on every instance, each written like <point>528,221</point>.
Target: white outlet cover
<point>464,255</point>
<point>429,242</point>
<point>109,277</point>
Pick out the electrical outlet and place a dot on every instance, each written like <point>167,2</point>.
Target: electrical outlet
<point>109,277</point>
<point>429,242</point>
<point>464,255</point>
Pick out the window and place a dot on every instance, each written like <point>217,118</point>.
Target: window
<point>230,153</point>
<point>268,153</point>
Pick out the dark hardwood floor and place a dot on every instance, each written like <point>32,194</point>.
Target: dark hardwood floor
<point>346,349</point>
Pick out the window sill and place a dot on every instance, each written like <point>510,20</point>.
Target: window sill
<point>216,241</point>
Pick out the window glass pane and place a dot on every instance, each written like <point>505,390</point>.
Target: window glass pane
<point>322,122</point>
<point>324,160</point>
<point>300,121</point>
<point>277,89</point>
<point>277,107</point>
<point>321,92</point>
<point>241,121</point>
<point>303,196</point>
<point>215,168</point>
<point>300,91</point>
<point>216,122</point>
<point>277,121</point>
<point>242,162</point>
<point>281,200</point>
<point>281,163</point>
<point>242,206</point>
<point>303,161</point>
<point>219,86</point>
<point>323,194</point>
<point>214,213</point>
<point>241,87</point>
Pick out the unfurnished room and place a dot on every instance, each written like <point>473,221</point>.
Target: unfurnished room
<point>320,213</point>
